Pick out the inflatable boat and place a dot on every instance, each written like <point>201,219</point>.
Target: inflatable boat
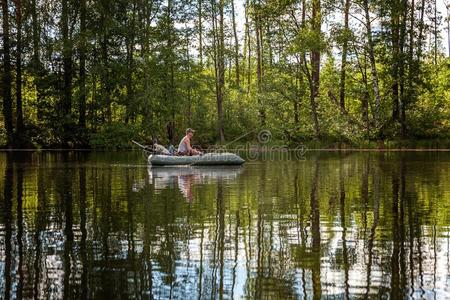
<point>208,159</point>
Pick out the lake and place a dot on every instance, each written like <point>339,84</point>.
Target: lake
<point>360,225</point>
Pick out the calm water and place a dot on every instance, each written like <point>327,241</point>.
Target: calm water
<point>101,225</point>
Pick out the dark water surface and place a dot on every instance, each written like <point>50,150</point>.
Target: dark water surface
<point>335,226</point>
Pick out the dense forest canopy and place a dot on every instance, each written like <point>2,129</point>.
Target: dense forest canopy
<point>95,73</point>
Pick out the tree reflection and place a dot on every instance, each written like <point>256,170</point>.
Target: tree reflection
<point>20,285</point>
<point>40,220</point>
<point>395,271</point>
<point>65,194</point>
<point>220,236</point>
<point>236,251</point>
<point>315,233</point>
<point>83,240</point>
<point>344,229</point>
<point>7,221</point>
<point>373,229</point>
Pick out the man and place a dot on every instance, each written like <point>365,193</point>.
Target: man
<point>185,147</point>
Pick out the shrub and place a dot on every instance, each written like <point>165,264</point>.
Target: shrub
<point>114,136</point>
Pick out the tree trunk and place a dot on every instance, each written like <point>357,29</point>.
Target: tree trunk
<point>421,27</point>
<point>19,112</point>
<point>435,33</point>
<point>298,81</point>
<point>7,99</point>
<point>248,45</point>
<point>221,70</point>
<point>448,28</point>
<point>129,40</point>
<point>402,98</point>
<point>411,63</point>
<point>259,65</point>
<point>171,66</point>
<point>67,61</point>
<point>365,96</point>
<point>373,66</point>
<point>105,78</point>
<point>215,47</point>
<point>344,56</point>
<point>236,45</point>
<point>315,67</point>
<point>395,37</point>
<point>200,33</point>
<point>82,50</point>
<point>93,111</point>
<point>269,43</point>
<point>189,80</point>
<point>146,10</point>
<point>36,62</point>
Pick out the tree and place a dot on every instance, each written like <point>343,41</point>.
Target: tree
<point>106,29</point>
<point>344,55</point>
<point>7,99</point>
<point>236,46</point>
<point>447,6</point>
<point>316,23</point>
<point>169,58</point>
<point>221,70</point>
<point>99,73</point>
<point>129,44</point>
<point>247,43</point>
<point>36,67</point>
<point>218,50</point>
<point>200,32</point>
<point>82,53</point>
<point>259,60</point>
<point>19,111</point>
<point>371,51</point>
<point>66,105</point>
<point>395,12</point>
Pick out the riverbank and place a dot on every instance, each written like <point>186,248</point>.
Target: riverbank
<point>391,145</point>
<point>386,145</point>
<point>325,145</point>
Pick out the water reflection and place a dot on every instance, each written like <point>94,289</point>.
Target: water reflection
<point>7,224</point>
<point>342,226</point>
<point>186,177</point>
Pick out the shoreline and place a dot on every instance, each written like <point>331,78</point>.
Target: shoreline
<point>241,149</point>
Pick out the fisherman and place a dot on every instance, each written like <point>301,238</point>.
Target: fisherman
<point>185,148</point>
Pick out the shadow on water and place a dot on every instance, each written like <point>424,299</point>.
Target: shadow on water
<point>83,226</point>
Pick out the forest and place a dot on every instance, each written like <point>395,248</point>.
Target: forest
<point>98,73</point>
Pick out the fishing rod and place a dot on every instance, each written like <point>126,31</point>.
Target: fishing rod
<point>145,148</point>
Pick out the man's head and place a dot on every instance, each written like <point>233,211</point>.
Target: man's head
<point>190,132</point>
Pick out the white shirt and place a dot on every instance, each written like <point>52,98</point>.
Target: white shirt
<point>182,147</point>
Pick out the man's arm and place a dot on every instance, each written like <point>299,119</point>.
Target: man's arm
<point>188,144</point>
<point>190,149</point>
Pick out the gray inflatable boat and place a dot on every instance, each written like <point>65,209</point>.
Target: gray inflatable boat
<point>208,159</point>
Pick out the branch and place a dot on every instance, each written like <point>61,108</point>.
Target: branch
<point>344,112</point>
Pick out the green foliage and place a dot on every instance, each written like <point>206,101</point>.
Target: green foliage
<point>309,40</point>
<point>3,138</point>
<point>114,136</point>
<point>143,68</point>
